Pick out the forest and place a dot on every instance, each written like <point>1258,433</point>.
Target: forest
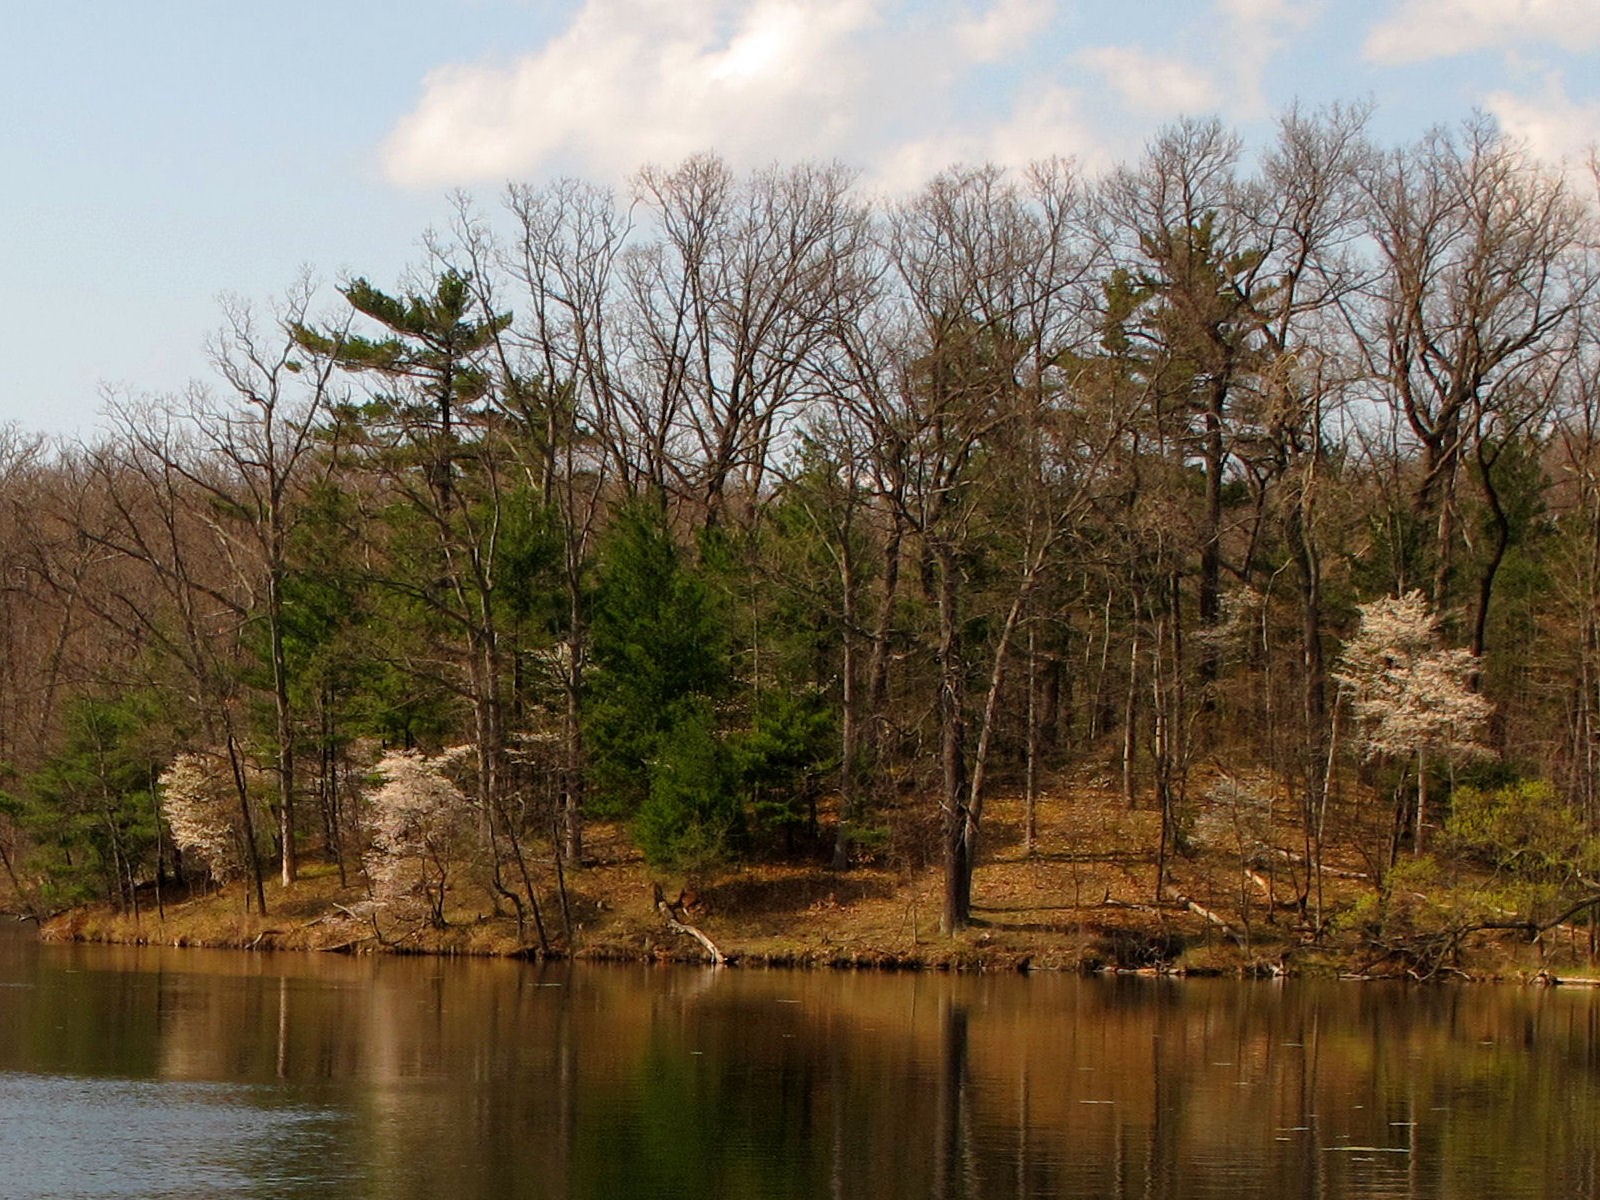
<point>766,518</point>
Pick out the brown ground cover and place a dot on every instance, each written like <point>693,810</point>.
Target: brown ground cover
<point>1083,898</point>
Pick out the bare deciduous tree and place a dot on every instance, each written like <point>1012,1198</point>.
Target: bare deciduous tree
<point>1477,274</point>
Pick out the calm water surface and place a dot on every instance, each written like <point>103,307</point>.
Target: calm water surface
<point>165,1073</point>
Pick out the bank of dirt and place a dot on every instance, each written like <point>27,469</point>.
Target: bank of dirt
<point>1084,898</point>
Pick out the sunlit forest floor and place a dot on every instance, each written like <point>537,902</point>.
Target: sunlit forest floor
<point>1236,900</point>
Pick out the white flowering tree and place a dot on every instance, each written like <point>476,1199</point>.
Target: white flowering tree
<point>201,809</point>
<point>418,823</point>
<point>1411,697</point>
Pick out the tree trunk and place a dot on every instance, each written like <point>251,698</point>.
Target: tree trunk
<point>1313,692</point>
<point>958,831</point>
<point>1211,534</point>
<point>572,781</point>
<point>849,718</point>
<point>991,704</point>
<point>285,725</point>
<point>1417,837</point>
<point>578,530</point>
<point>878,667</point>
<point>1129,726</point>
<point>1497,555</point>
<point>1030,830</point>
<point>252,858</point>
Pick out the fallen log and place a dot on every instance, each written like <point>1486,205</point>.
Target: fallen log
<point>1202,911</point>
<point>1545,979</point>
<point>1179,901</point>
<point>1336,872</point>
<point>668,914</point>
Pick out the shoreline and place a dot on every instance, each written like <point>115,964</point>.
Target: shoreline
<point>1081,902</point>
<point>973,951</point>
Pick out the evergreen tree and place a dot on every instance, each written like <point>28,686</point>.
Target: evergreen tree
<point>660,666</point>
<point>91,808</point>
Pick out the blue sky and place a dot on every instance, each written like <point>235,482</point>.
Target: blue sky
<point>158,155</point>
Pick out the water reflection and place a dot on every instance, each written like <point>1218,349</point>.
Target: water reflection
<point>69,1136</point>
<point>406,1077</point>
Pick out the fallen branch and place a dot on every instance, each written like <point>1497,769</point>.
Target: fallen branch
<point>1279,904</point>
<point>1429,954</point>
<point>1336,872</point>
<point>1201,910</point>
<point>673,923</point>
<point>1135,906</point>
<point>349,945</point>
<point>1534,928</point>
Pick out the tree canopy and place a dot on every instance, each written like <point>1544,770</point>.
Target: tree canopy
<point>757,511</point>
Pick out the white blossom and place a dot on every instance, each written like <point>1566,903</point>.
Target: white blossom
<point>1239,624</point>
<point>201,808</point>
<point>416,820</point>
<point>1408,694</point>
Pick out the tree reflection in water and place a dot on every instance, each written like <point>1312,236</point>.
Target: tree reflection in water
<point>466,1080</point>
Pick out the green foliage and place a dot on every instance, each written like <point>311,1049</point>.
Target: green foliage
<point>348,641</point>
<point>690,820</point>
<point>791,740</point>
<point>1194,310</point>
<point>656,626</point>
<point>428,338</point>
<point>659,710</point>
<point>659,665</point>
<point>1522,830</point>
<point>90,809</point>
<point>792,585</point>
<point>1536,850</point>
<point>1416,899</point>
<point>528,559</point>
<point>1418,912</point>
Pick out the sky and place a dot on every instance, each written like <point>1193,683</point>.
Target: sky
<point>158,157</point>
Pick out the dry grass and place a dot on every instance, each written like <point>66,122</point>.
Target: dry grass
<point>1084,897</point>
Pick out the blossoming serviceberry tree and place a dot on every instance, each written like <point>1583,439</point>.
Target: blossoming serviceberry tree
<point>418,821</point>
<point>200,810</point>
<point>1410,696</point>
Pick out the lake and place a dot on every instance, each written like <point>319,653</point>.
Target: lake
<point>146,1072</point>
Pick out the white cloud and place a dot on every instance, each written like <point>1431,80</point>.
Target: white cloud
<point>1555,128</point>
<point>1424,29</point>
<point>1152,83</point>
<point>1004,28</point>
<point>1260,10</point>
<point>1225,72</point>
<point>1257,32</point>
<point>631,80</point>
<point>1047,124</point>
<point>627,82</point>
